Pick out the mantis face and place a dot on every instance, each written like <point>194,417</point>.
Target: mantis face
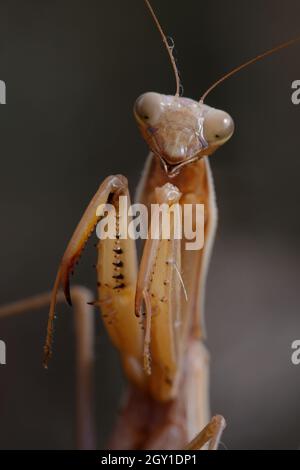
<point>180,130</point>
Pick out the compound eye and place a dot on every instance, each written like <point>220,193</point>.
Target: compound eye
<point>218,127</point>
<point>148,107</point>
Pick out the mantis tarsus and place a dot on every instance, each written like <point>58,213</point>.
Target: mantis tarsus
<point>167,406</point>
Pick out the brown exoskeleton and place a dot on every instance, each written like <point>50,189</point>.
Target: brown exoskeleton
<point>154,314</point>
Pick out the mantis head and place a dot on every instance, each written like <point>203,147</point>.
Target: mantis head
<point>180,130</point>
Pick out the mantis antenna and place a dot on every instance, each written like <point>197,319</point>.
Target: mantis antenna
<point>169,49</point>
<point>246,64</point>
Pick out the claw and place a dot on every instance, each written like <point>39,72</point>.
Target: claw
<point>67,292</point>
<point>67,267</point>
<point>94,303</point>
<point>111,185</point>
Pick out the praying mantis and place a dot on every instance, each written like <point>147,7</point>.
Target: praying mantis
<point>171,393</point>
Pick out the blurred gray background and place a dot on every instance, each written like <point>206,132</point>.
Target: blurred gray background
<point>73,70</point>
